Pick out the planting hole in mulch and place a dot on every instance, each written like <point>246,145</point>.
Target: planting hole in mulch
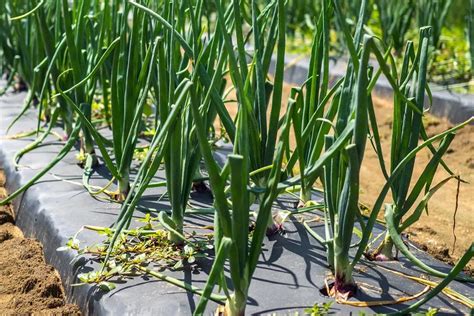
<point>27,284</point>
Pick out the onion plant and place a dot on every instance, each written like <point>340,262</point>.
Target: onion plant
<point>182,156</point>
<point>261,99</point>
<point>83,34</point>
<point>470,33</point>
<point>341,172</point>
<point>23,50</point>
<point>379,203</point>
<point>231,235</point>
<point>341,182</point>
<point>341,196</point>
<point>301,16</point>
<point>129,82</point>
<point>52,44</point>
<point>149,168</point>
<point>395,20</point>
<point>231,232</point>
<point>433,13</point>
<point>182,159</point>
<point>444,137</point>
<point>79,40</point>
<point>407,129</point>
<point>127,99</point>
<point>31,22</point>
<point>312,113</point>
<point>175,140</point>
<point>8,57</point>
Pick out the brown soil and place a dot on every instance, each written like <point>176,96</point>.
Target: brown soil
<point>27,284</point>
<point>434,231</point>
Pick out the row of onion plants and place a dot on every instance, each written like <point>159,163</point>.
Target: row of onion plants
<point>116,75</point>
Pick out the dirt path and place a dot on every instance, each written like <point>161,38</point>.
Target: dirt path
<point>27,284</point>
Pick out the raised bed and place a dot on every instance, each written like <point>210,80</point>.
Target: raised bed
<point>288,279</point>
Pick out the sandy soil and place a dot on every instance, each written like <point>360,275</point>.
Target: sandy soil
<point>434,231</point>
<point>27,284</point>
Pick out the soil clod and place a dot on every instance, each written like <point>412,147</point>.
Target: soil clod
<point>27,284</point>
